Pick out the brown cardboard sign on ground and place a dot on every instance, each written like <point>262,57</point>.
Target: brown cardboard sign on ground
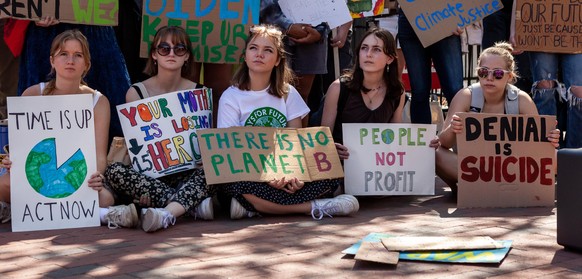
<point>437,243</point>
<point>375,252</point>
<point>91,12</point>
<point>263,154</point>
<point>433,20</point>
<point>217,29</point>
<point>549,26</point>
<point>506,161</point>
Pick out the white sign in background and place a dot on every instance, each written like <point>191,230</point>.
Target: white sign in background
<point>314,12</point>
<point>389,159</point>
<point>52,149</point>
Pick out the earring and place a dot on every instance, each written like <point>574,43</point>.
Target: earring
<point>155,62</point>
<point>387,68</point>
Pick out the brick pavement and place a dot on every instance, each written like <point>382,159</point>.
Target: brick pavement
<point>292,246</point>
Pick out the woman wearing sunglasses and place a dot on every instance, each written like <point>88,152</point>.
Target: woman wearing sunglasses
<point>168,197</point>
<point>494,93</point>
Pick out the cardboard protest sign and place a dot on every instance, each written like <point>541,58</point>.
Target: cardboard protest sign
<point>433,20</point>
<point>548,26</point>
<point>506,161</point>
<point>375,252</point>
<point>389,159</point>
<point>161,131</point>
<point>335,13</point>
<point>364,8</point>
<point>217,29</point>
<point>91,12</point>
<point>263,154</point>
<point>53,156</point>
<point>439,243</point>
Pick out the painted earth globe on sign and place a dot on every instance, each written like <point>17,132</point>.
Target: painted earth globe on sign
<point>49,179</point>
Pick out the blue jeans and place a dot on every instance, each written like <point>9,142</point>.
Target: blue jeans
<point>447,59</point>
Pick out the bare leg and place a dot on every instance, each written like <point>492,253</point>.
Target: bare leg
<point>5,188</point>
<point>268,207</point>
<point>446,166</point>
<point>175,209</point>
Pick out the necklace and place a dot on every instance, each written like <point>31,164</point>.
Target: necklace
<point>366,90</point>
<point>371,98</point>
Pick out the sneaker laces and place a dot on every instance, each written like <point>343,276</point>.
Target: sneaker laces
<point>113,219</point>
<point>327,208</point>
<point>167,219</point>
<point>4,212</point>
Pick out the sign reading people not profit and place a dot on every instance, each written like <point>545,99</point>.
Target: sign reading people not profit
<point>506,161</point>
<point>161,131</point>
<point>92,12</point>
<point>217,28</point>
<point>53,157</point>
<point>549,26</point>
<point>433,20</point>
<point>263,154</point>
<point>389,159</point>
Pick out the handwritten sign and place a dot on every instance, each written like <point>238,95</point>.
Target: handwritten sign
<point>549,26</point>
<point>91,12</point>
<point>263,154</point>
<point>389,159</point>
<point>506,161</point>
<point>364,8</point>
<point>335,13</point>
<point>433,20</point>
<point>53,156</point>
<point>217,28</point>
<point>161,131</point>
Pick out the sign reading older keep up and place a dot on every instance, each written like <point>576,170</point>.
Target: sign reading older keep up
<point>217,28</point>
<point>506,161</point>
<point>161,132</point>
<point>92,12</point>
<point>433,20</point>
<point>263,154</point>
<point>53,156</point>
<point>389,159</point>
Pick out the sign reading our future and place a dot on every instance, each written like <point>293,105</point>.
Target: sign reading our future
<point>433,20</point>
<point>217,28</point>
<point>92,12</point>
<point>389,159</point>
<point>161,131</point>
<point>53,157</point>
<point>549,26</point>
<point>506,161</point>
<point>263,154</point>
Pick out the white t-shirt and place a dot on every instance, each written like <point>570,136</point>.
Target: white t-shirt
<point>259,108</point>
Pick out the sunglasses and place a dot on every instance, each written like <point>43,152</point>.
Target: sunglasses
<point>497,73</point>
<point>164,49</point>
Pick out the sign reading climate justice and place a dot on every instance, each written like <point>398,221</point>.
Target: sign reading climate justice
<point>92,12</point>
<point>549,26</point>
<point>389,159</point>
<point>53,156</point>
<point>433,20</point>
<point>161,132</point>
<point>263,154</point>
<point>217,28</point>
<point>506,161</point>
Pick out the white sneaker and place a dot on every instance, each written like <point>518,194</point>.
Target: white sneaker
<point>157,218</point>
<point>338,206</point>
<point>5,214</point>
<point>204,210</point>
<point>237,211</point>
<point>122,216</point>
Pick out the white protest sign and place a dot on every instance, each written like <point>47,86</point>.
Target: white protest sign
<point>389,159</point>
<point>160,131</point>
<point>314,12</point>
<point>53,156</point>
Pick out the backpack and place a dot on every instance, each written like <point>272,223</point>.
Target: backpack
<point>511,102</point>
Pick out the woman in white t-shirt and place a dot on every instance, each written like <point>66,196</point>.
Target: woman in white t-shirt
<point>261,95</point>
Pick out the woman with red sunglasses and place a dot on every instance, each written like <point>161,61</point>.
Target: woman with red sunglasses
<point>494,93</point>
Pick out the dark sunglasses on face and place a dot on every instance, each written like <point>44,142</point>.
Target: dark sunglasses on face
<point>164,49</point>
<point>497,73</point>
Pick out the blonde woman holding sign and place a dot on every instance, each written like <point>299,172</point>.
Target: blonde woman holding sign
<point>262,82</point>
<point>169,63</point>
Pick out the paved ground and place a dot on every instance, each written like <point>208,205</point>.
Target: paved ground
<point>292,246</point>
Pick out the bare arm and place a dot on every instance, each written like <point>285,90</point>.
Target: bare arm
<point>102,118</point>
<point>461,103</point>
<point>329,113</point>
<point>397,116</point>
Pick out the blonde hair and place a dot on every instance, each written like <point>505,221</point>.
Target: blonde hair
<point>57,45</point>
<point>503,50</point>
<point>281,75</point>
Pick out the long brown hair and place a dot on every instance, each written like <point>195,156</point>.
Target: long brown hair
<point>178,36</point>
<point>57,45</point>
<point>281,75</point>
